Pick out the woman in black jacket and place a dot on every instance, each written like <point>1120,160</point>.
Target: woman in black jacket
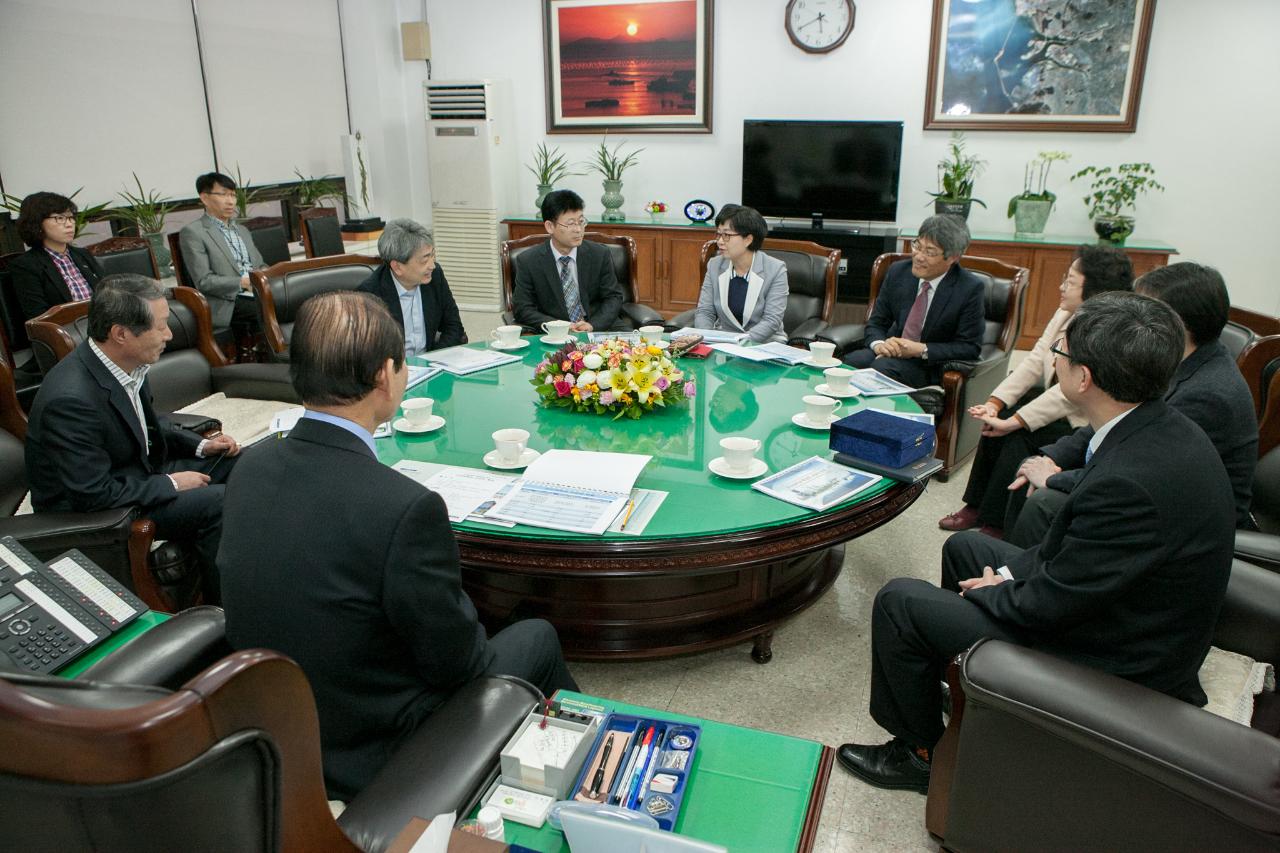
<point>52,271</point>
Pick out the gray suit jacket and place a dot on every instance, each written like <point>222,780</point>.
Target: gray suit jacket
<point>212,267</point>
<point>765,305</point>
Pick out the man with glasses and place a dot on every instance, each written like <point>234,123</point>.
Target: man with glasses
<point>566,278</point>
<point>929,310</point>
<point>1129,578</point>
<point>219,254</point>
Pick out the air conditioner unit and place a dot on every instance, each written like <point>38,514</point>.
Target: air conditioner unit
<point>471,173</point>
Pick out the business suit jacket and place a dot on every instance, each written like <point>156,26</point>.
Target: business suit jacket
<point>1208,388</point>
<point>537,296</point>
<point>85,449</point>
<point>765,305</point>
<point>1131,574</point>
<point>38,283</point>
<point>211,266</point>
<point>956,321</point>
<point>440,316</point>
<point>351,569</point>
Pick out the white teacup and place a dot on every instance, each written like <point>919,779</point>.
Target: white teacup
<point>739,452</point>
<point>506,336</point>
<point>418,410</point>
<point>650,334</point>
<point>838,379</point>
<point>819,409</point>
<point>557,330</point>
<point>821,352</point>
<point>511,444</point>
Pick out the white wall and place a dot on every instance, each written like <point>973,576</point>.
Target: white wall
<point>1206,121</point>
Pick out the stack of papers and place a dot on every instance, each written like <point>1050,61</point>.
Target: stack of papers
<point>816,483</point>
<point>463,360</point>
<point>419,374</point>
<point>772,351</point>
<point>711,336</point>
<point>576,490</point>
<point>873,383</point>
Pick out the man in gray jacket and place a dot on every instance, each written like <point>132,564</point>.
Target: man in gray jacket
<point>219,253</point>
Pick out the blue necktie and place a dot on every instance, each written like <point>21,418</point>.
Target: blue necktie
<point>570,288</point>
<point>1088,454</point>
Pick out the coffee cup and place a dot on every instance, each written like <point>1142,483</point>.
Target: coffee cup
<point>822,352</point>
<point>557,330</point>
<point>506,336</point>
<point>838,379</point>
<point>651,334</point>
<point>819,409</point>
<point>510,444</point>
<point>417,411</point>
<point>739,452</point>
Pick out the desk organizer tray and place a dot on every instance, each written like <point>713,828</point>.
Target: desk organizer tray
<point>640,763</point>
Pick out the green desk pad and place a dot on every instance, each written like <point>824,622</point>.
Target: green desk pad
<point>749,790</point>
<point>138,626</point>
<point>734,397</point>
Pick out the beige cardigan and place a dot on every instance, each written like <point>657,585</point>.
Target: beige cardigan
<point>1036,370</point>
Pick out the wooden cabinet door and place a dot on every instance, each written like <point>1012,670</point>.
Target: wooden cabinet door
<point>648,261</point>
<point>516,230</point>
<point>1044,293</point>
<point>683,272</point>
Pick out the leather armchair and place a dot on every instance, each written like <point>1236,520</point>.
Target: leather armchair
<point>812,271</point>
<point>282,288</point>
<point>268,235</point>
<point>321,236</point>
<point>179,265</point>
<point>1042,754</point>
<point>964,383</point>
<point>1259,363</point>
<point>131,757</point>
<point>1237,338</point>
<point>125,255</point>
<point>622,251</point>
<point>15,348</point>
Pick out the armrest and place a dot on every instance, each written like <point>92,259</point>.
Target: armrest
<point>1261,549</point>
<point>1249,622</point>
<point>51,533</point>
<point>681,320</point>
<point>807,332</point>
<point>1068,734</point>
<point>170,654</point>
<point>846,336</point>
<point>641,315</point>
<point>255,382</point>
<point>982,367</point>
<point>441,766</point>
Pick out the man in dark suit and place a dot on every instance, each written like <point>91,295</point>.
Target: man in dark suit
<point>566,278</point>
<point>52,272</point>
<point>1207,387</point>
<point>350,567</point>
<point>94,441</point>
<point>927,312</point>
<point>219,254</point>
<point>1129,578</point>
<point>414,289</point>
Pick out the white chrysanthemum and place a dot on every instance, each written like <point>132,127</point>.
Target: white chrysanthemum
<point>592,361</point>
<point>586,378</point>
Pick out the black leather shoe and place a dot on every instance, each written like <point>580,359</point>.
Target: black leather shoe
<point>931,399</point>
<point>894,766</point>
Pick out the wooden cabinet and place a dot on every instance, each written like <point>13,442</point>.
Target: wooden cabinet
<point>668,259</point>
<point>1048,263</point>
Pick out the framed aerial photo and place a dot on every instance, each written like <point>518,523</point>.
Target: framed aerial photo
<point>1061,65</point>
<point>625,65</point>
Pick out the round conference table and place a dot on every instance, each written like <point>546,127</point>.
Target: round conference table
<point>718,563</point>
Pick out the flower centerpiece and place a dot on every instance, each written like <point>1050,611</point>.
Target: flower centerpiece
<point>612,376</point>
<point>657,210</point>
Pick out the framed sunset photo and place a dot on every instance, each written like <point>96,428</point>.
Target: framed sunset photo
<point>622,65</point>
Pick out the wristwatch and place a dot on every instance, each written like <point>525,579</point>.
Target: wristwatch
<point>924,353</point>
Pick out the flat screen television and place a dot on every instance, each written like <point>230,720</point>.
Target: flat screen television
<point>840,169</point>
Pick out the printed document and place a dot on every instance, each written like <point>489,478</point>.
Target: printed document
<point>462,360</point>
<point>873,383</point>
<point>575,490</point>
<point>816,483</point>
<point>711,336</point>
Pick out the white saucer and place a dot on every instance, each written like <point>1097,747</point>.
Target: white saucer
<point>520,344</point>
<point>403,425</point>
<point>800,420</point>
<point>491,459</point>
<point>809,362</point>
<point>720,467</point>
<point>825,390</point>
<point>552,342</point>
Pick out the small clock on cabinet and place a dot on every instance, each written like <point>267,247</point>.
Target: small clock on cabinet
<point>819,26</point>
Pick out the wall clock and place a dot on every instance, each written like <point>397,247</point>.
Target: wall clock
<point>819,26</point>
<point>699,210</point>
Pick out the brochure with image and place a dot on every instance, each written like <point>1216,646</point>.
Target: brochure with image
<point>816,483</point>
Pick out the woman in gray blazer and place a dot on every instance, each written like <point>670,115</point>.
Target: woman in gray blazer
<point>745,290</point>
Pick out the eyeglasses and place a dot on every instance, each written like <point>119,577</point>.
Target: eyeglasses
<point>725,235</point>
<point>573,224</point>
<point>1056,349</point>
<point>62,218</point>
<point>929,252</point>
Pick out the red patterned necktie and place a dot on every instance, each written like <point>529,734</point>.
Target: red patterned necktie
<point>915,319</point>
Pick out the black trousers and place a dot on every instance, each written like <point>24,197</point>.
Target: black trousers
<point>1036,516</point>
<point>246,318</point>
<point>916,628</point>
<point>195,517</point>
<point>996,463</point>
<point>915,372</point>
<point>530,649</point>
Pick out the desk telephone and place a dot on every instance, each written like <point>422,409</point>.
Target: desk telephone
<point>52,613</point>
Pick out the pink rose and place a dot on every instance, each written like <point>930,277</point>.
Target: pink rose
<point>689,389</point>
<point>584,393</point>
<point>662,383</point>
<point>606,398</point>
<point>563,387</point>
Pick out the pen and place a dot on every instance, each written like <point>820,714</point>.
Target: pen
<point>653,765</point>
<point>624,779</point>
<point>642,762</point>
<point>619,772</point>
<point>630,506</point>
<point>598,779</point>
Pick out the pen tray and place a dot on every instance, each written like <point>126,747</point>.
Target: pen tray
<point>674,760</point>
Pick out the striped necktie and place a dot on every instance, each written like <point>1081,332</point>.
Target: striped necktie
<point>570,288</point>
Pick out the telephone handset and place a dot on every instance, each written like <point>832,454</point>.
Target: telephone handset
<point>52,613</point>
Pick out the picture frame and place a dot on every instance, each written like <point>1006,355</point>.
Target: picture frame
<point>639,66</point>
<point>992,69</point>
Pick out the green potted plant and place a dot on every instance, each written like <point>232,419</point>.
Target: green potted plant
<point>956,174</point>
<point>1112,192</point>
<point>310,190</point>
<point>245,194</point>
<point>145,211</point>
<point>610,165</point>
<point>549,167</point>
<point>1030,208</point>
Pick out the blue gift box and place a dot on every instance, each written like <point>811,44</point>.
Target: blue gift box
<point>883,439</point>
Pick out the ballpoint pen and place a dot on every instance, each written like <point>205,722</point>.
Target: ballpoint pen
<point>642,763</point>
<point>598,779</point>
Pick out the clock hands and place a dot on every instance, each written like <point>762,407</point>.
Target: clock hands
<point>818,20</point>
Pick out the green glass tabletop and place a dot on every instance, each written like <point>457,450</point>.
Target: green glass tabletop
<point>734,397</point>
